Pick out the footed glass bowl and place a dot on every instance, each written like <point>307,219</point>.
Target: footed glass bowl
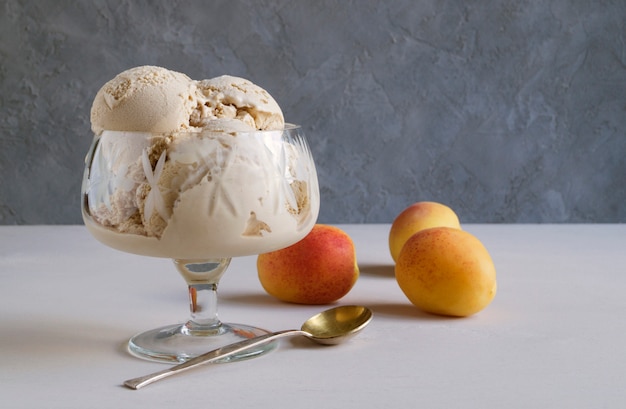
<point>199,198</point>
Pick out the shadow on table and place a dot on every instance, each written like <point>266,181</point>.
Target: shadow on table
<point>253,298</point>
<point>377,270</point>
<point>405,310</point>
<point>57,339</point>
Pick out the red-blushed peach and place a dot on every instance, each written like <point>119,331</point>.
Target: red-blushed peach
<point>319,269</point>
<point>419,216</point>
<point>446,271</point>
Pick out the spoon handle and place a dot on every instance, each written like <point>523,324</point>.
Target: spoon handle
<point>208,357</point>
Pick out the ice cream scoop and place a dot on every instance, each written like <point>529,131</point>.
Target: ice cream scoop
<point>155,99</point>
<point>144,99</point>
<point>237,98</point>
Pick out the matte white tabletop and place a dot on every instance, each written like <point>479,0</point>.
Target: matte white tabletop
<point>554,337</point>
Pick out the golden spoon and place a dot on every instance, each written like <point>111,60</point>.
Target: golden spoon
<point>329,327</point>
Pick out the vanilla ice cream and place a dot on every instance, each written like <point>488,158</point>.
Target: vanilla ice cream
<point>197,169</point>
<point>144,99</point>
<point>238,98</point>
<point>155,99</point>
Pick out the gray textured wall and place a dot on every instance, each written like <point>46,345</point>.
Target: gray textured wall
<point>508,111</point>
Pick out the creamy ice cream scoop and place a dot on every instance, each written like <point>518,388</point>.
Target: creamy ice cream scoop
<point>237,98</point>
<point>158,100</point>
<point>144,99</point>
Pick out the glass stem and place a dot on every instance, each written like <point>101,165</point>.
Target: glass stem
<point>202,277</point>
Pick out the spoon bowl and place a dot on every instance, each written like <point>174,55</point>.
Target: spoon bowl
<point>329,327</point>
<point>336,325</point>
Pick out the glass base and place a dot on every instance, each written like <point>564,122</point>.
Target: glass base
<point>176,344</point>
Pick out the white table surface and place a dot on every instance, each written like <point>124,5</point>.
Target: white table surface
<point>554,337</point>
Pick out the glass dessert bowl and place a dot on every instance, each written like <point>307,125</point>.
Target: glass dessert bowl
<point>199,198</point>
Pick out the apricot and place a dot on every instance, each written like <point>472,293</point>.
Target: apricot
<point>446,271</point>
<point>319,269</point>
<point>417,217</point>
